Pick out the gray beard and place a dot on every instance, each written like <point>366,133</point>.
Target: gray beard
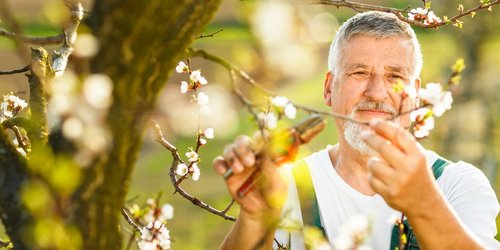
<point>352,132</point>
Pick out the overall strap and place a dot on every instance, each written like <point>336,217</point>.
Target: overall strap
<point>307,196</point>
<point>437,169</point>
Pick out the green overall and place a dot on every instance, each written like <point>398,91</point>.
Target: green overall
<point>310,210</point>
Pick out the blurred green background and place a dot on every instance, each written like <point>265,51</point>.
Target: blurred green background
<point>284,46</point>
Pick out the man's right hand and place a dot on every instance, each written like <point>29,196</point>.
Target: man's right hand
<point>264,202</point>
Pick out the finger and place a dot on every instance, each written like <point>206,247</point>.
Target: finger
<point>243,151</point>
<point>232,160</point>
<point>395,134</point>
<point>275,183</point>
<point>378,186</point>
<point>381,170</point>
<point>219,165</point>
<point>385,148</point>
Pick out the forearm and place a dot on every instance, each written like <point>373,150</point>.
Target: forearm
<point>438,227</point>
<point>248,233</point>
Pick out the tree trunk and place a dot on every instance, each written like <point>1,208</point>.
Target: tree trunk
<point>140,42</point>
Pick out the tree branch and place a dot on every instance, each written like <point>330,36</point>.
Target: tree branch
<point>210,35</point>
<point>399,12</point>
<point>60,56</point>
<point>15,71</point>
<point>38,80</point>
<point>49,40</point>
<point>160,139</point>
<point>129,220</point>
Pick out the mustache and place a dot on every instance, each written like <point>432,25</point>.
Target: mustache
<point>378,106</point>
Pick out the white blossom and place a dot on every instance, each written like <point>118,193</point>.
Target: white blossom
<point>203,81</point>
<point>202,99</point>
<point>439,108</point>
<point>270,120</point>
<point>164,238</point>
<point>146,233</point>
<point>167,211</point>
<point>147,245</point>
<point>410,91</point>
<point>423,122</point>
<point>279,101</point>
<point>351,232</point>
<point>433,94</point>
<point>151,202</point>
<point>149,217</point>
<point>196,172</point>
<point>209,133</point>
<point>97,90</point>
<point>11,106</point>
<point>355,225</point>
<point>181,169</point>
<point>184,87</point>
<point>181,67</point>
<point>192,156</point>
<point>290,111</point>
<point>417,14</point>
<point>432,18</point>
<point>203,141</point>
<point>195,76</point>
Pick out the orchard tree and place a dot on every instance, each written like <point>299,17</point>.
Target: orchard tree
<point>67,153</point>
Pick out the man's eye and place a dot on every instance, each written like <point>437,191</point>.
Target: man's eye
<point>395,76</point>
<point>361,73</point>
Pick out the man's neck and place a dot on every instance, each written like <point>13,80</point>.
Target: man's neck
<point>351,166</point>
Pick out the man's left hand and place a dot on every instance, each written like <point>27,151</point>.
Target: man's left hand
<point>401,174</point>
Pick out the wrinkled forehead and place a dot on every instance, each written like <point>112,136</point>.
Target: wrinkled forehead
<point>394,53</point>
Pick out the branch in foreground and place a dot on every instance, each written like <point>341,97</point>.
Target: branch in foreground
<point>160,139</point>
<point>49,40</point>
<point>15,71</point>
<point>247,78</point>
<point>361,7</point>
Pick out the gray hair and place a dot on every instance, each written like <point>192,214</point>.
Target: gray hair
<point>379,25</point>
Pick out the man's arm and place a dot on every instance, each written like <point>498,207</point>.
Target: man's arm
<point>405,181</point>
<point>260,208</point>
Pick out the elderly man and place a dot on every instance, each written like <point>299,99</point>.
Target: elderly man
<point>448,205</point>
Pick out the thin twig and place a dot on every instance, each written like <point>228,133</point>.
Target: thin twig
<point>134,225</point>
<point>129,220</point>
<point>210,35</point>
<point>245,101</point>
<point>228,206</point>
<point>240,73</point>
<point>175,155</point>
<point>19,137</point>
<point>15,71</point>
<point>49,40</point>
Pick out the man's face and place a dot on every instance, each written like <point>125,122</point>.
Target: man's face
<point>362,83</point>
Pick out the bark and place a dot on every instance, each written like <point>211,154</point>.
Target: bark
<point>140,42</point>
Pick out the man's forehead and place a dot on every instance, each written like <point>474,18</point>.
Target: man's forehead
<point>403,68</point>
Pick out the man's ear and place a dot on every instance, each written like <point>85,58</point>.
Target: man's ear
<point>417,88</point>
<point>327,91</point>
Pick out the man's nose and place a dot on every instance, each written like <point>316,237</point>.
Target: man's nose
<point>376,88</point>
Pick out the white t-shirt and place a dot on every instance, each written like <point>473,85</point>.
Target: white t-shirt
<point>465,187</point>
